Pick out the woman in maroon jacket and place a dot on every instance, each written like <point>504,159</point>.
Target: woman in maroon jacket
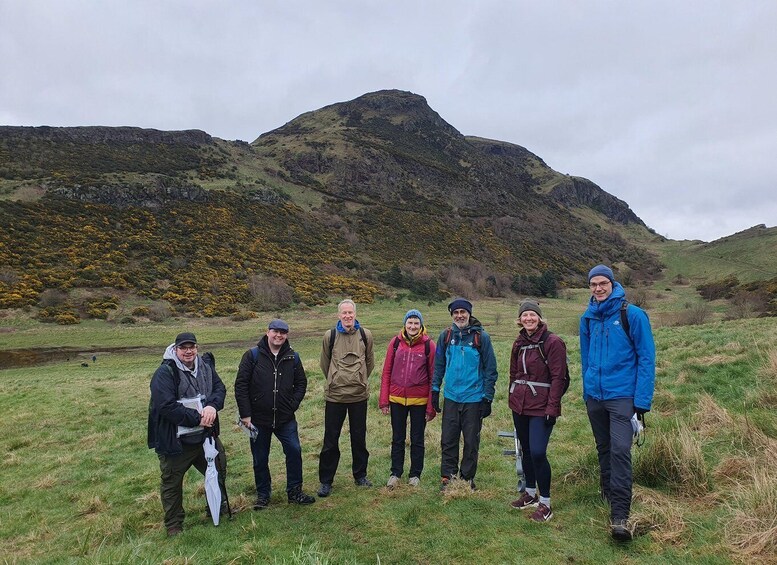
<point>538,366</point>
<point>406,390</point>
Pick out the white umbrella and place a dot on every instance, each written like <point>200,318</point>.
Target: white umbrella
<point>212,489</point>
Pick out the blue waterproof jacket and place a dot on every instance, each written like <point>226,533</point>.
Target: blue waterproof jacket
<point>470,372</point>
<point>616,365</point>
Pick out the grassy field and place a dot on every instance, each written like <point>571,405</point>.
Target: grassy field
<point>79,485</point>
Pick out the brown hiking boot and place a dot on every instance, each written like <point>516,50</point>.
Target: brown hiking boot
<point>621,530</point>
<point>173,531</point>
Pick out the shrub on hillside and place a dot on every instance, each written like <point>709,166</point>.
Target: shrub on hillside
<point>639,297</point>
<point>719,289</point>
<point>52,297</point>
<point>694,314</point>
<point>269,293</point>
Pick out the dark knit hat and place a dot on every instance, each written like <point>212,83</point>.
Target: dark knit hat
<point>529,304</point>
<point>185,337</point>
<point>460,303</point>
<point>601,271</point>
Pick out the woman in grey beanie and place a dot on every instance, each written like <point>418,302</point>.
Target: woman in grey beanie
<point>538,379</point>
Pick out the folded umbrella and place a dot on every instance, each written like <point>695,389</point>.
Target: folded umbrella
<point>212,489</point>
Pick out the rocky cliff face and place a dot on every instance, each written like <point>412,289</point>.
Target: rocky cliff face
<point>576,192</point>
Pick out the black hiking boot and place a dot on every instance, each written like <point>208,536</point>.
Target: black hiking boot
<point>296,496</point>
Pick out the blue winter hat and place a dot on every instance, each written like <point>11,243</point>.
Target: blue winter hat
<point>601,271</point>
<point>460,303</point>
<point>413,314</point>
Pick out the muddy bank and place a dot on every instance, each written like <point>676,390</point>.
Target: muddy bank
<point>34,356</point>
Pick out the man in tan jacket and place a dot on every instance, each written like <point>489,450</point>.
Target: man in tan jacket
<point>346,360</point>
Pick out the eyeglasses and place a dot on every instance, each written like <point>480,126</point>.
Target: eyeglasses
<point>187,347</point>
<point>594,286</point>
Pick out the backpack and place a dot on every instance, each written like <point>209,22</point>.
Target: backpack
<point>396,346</point>
<point>333,336</point>
<point>255,357</point>
<point>449,333</point>
<point>541,348</point>
<point>624,320</point>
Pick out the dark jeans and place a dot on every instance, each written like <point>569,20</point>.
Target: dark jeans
<point>334,417</point>
<point>460,419</point>
<point>173,469</point>
<point>611,425</point>
<point>534,436</point>
<point>260,450</point>
<point>399,414</point>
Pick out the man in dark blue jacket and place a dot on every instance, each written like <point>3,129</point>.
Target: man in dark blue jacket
<point>619,371</point>
<point>269,387</point>
<point>186,395</point>
<point>465,360</point>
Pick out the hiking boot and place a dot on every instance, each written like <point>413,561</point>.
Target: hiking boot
<point>542,514</point>
<point>173,531</point>
<point>472,484</point>
<point>325,489</point>
<point>261,503</point>
<point>621,531</point>
<point>414,481</point>
<point>525,501</point>
<point>296,496</point>
<point>445,481</point>
<point>362,482</point>
<point>392,482</point>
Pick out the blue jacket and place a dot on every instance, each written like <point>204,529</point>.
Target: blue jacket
<point>614,364</point>
<point>469,372</point>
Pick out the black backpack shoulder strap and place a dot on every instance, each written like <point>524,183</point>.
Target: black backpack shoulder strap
<point>625,318</point>
<point>541,345</point>
<point>364,336</point>
<point>427,348</point>
<point>332,336</point>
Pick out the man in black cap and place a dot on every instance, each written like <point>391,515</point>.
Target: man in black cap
<point>186,395</point>
<point>465,360</point>
<point>269,388</point>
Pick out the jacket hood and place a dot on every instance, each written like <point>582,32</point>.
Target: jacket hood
<point>341,329</point>
<point>612,303</point>
<point>170,354</point>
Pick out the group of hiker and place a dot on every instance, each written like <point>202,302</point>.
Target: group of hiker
<point>455,376</point>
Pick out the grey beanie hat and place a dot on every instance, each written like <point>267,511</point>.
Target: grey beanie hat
<point>529,304</point>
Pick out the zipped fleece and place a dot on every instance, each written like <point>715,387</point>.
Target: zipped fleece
<point>270,391</point>
<point>528,365</point>
<point>470,373</point>
<point>350,364</point>
<point>613,366</point>
<point>407,376</point>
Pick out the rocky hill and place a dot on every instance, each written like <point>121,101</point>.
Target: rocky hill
<point>382,179</point>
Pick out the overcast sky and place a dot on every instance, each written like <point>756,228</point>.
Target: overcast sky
<point>668,105</point>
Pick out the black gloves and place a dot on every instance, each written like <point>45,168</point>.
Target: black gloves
<point>485,408</point>
<point>641,411</point>
<point>550,421</point>
<point>436,401</point>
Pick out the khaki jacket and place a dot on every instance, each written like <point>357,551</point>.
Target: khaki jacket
<point>349,366</point>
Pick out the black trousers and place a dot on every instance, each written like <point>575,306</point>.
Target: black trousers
<point>611,425</point>
<point>334,418</point>
<point>460,419</point>
<point>399,414</point>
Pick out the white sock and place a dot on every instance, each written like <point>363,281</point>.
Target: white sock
<point>531,492</point>
<point>545,500</point>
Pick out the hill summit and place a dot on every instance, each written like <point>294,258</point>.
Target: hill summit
<point>347,199</point>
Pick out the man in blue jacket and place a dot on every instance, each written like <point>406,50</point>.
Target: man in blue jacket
<point>465,360</point>
<point>618,380</point>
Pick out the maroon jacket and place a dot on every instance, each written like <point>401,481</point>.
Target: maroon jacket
<point>528,365</point>
<point>407,376</point>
